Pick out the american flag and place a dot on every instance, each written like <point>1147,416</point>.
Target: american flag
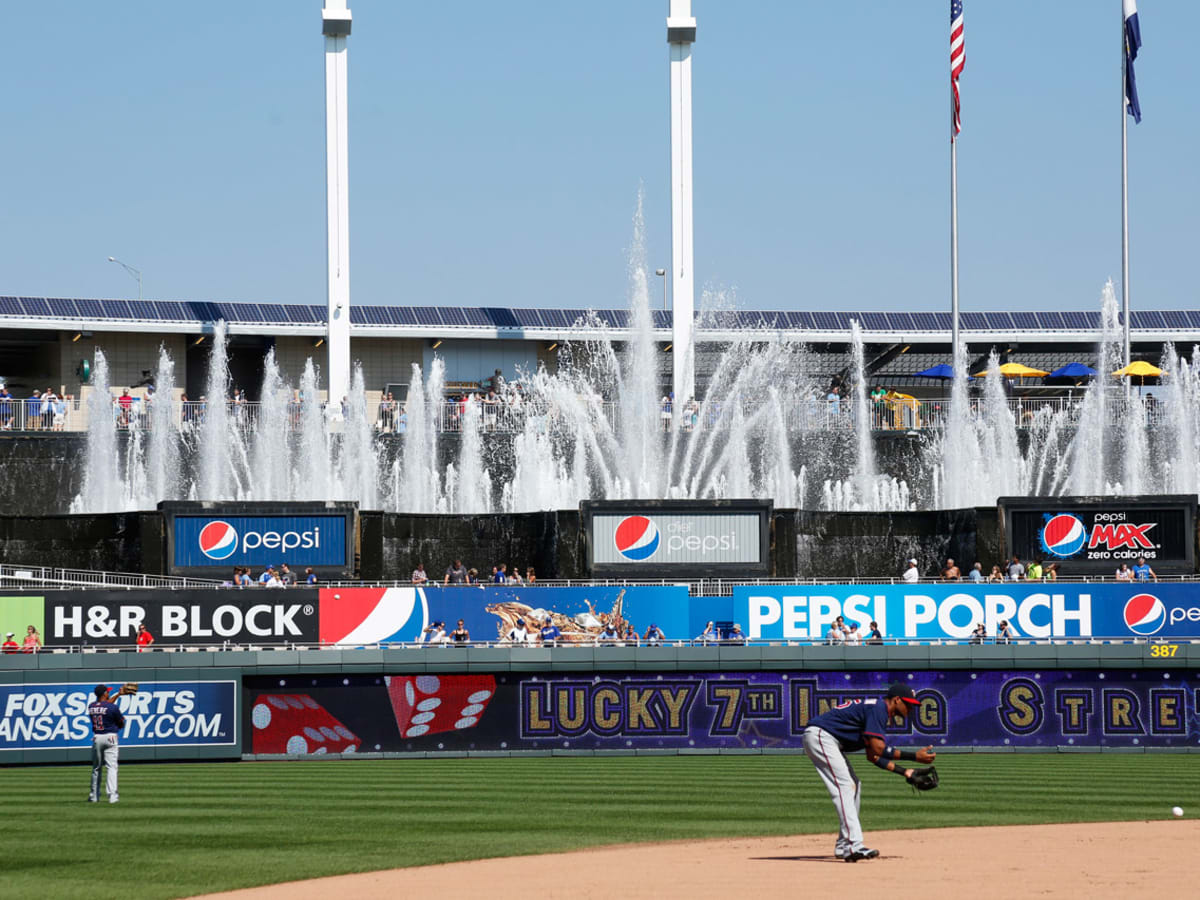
<point>958,56</point>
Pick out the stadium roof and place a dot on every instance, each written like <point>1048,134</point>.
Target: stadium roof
<point>193,316</point>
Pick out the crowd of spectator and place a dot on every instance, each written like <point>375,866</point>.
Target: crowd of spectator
<point>458,574</point>
<point>1015,570</point>
<point>41,411</point>
<point>273,576</point>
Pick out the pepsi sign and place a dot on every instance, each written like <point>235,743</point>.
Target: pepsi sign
<point>1145,614</point>
<point>678,537</point>
<point>933,612</point>
<point>259,541</point>
<point>637,538</point>
<point>1090,536</point>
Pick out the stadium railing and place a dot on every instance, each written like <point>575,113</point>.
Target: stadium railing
<point>200,646</point>
<point>46,577</point>
<point>16,576</point>
<point>811,414</point>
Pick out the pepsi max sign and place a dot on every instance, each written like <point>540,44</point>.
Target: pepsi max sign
<point>259,541</point>
<point>678,538</point>
<point>1089,536</point>
<point>1064,535</point>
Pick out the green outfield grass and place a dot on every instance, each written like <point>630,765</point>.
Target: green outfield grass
<point>186,829</point>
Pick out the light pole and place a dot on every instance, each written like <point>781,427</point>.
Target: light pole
<point>136,273</point>
<point>662,273</point>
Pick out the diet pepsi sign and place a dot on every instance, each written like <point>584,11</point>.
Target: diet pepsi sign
<point>259,541</point>
<point>681,538</point>
<point>1094,536</point>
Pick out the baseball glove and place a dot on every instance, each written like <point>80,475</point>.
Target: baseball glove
<point>923,779</point>
<point>129,687</point>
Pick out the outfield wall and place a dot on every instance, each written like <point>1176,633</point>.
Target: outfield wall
<point>542,701</point>
<point>367,616</point>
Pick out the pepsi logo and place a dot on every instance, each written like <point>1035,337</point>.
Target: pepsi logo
<point>1064,535</point>
<point>636,538</point>
<point>1145,614</point>
<point>218,540</point>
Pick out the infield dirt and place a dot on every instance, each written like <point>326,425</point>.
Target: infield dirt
<point>1118,859</point>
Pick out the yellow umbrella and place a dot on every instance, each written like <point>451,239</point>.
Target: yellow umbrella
<point>1141,369</point>
<point>1015,368</point>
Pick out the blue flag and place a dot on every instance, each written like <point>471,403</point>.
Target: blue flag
<point>1133,40</point>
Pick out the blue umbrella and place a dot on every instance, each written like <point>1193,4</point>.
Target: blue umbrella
<point>939,371</point>
<point>1073,370</point>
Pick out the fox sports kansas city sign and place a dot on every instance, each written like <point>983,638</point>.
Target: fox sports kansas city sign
<point>224,541</point>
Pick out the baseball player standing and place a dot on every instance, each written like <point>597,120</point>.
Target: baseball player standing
<point>852,726</point>
<point>107,723</point>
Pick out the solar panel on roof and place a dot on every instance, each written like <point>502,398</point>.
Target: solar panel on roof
<point>1026,320</point>
<point>661,317</point>
<point>1175,318</point>
<point>427,315</point>
<point>401,315</point>
<point>1193,318</point>
<point>61,307</point>
<point>241,312</point>
<point>1150,318</point>
<point>875,321</point>
<point>141,309</point>
<point>35,306</point>
<point>1049,320</point>
<point>89,309</point>
<point>498,317</point>
<point>528,318</point>
<point>973,321</point>
<point>825,321</point>
<point>168,309</point>
<point>10,307</point>
<point>1000,321</point>
<point>925,321</point>
<point>115,309</point>
<point>273,312</point>
<point>452,315</point>
<point>1078,321</point>
<point>476,316</point>
<point>553,318</point>
<point>801,321</point>
<point>358,315</point>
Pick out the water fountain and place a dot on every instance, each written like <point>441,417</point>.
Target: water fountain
<point>595,428</point>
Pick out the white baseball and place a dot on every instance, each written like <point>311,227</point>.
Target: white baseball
<point>1177,811</point>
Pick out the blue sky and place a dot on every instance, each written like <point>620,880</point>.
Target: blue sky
<point>496,153</point>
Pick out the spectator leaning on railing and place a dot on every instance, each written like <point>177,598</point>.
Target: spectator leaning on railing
<point>6,409</point>
<point>1142,571</point>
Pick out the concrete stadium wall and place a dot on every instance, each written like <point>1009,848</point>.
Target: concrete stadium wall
<point>283,671</point>
<point>803,543</point>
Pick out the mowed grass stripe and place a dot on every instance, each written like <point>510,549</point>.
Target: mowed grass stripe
<point>202,827</point>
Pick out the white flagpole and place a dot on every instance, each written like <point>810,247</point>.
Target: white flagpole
<point>953,231</point>
<point>1124,196</point>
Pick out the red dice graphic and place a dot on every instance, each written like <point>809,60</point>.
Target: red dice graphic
<point>296,723</point>
<point>432,704</point>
